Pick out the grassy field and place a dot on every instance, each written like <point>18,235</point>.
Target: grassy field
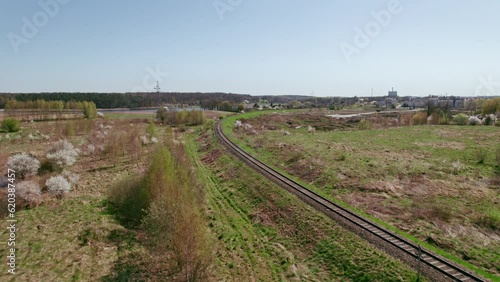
<point>265,234</point>
<point>438,184</point>
<point>77,237</point>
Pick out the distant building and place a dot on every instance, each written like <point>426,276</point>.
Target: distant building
<point>393,94</point>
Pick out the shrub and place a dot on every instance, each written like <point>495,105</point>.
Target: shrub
<point>28,191</point>
<point>474,121</point>
<point>490,219</point>
<point>45,167</point>
<point>129,198</point>
<point>151,130</point>
<point>461,119</point>
<point>24,165</point>
<point>365,124</point>
<point>481,155</point>
<point>62,154</point>
<point>71,176</point>
<point>58,185</point>
<point>10,125</point>
<point>419,118</point>
<point>488,120</point>
<point>70,128</point>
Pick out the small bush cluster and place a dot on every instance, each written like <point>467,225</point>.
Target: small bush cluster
<point>461,119</point>
<point>245,126</point>
<point>365,124</point>
<point>24,165</point>
<point>28,191</point>
<point>474,121</point>
<point>193,117</point>
<point>481,155</point>
<point>62,154</point>
<point>10,125</point>
<point>419,118</point>
<point>490,219</point>
<point>58,185</point>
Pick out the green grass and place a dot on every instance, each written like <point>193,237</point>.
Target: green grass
<point>265,233</point>
<point>72,238</point>
<point>397,140</point>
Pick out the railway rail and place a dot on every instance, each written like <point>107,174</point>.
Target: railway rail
<point>431,265</point>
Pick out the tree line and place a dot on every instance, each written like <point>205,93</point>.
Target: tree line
<point>43,110</point>
<point>209,101</point>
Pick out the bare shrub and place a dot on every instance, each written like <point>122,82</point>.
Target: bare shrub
<point>24,165</point>
<point>419,118</point>
<point>58,185</point>
<point>28,191</point>
<point>72,177</point>
<point>62,154</point>
<point>365,124</point>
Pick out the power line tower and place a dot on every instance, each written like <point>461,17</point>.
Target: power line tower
<point>157,88</point>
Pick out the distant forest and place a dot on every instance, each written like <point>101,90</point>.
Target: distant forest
<point>131,100</point>
<point>141,100</point>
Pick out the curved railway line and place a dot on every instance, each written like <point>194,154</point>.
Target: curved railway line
<point>431,265</point>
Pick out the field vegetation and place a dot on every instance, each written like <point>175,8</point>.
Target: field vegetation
<point>437,183</point>
<point>80,213</point>
<point>263,233</point>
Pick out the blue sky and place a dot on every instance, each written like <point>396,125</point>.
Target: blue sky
<point>277,47</point>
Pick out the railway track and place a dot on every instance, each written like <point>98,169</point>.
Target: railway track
<point>433,266</point>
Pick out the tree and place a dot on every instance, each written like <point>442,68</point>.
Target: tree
<point>162,115</point>
<point>24,165</point>
<point>10,125</point>
<point>62,154</point>
<point>89,110</point>
<point>491,106</point>
<point>58,185</point>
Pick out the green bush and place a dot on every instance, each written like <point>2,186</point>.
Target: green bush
<point>151,130</point>
<point>490,219</point>
<point>461,119</point>
<point>130,199</point>
<point>481,155</point>
<point>488,120</point>
<point>365,124</point>
<point>10,125</point>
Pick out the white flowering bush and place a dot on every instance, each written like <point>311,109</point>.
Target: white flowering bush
<point>144,140</point>
<point>71,176</point>
<point>28,191</point>
<point>58,185</point>
<point>474,121</point>
<point>62,153</point>
<point>24,165</point>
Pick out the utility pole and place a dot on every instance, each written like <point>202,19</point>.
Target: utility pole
<point>157,88</point>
